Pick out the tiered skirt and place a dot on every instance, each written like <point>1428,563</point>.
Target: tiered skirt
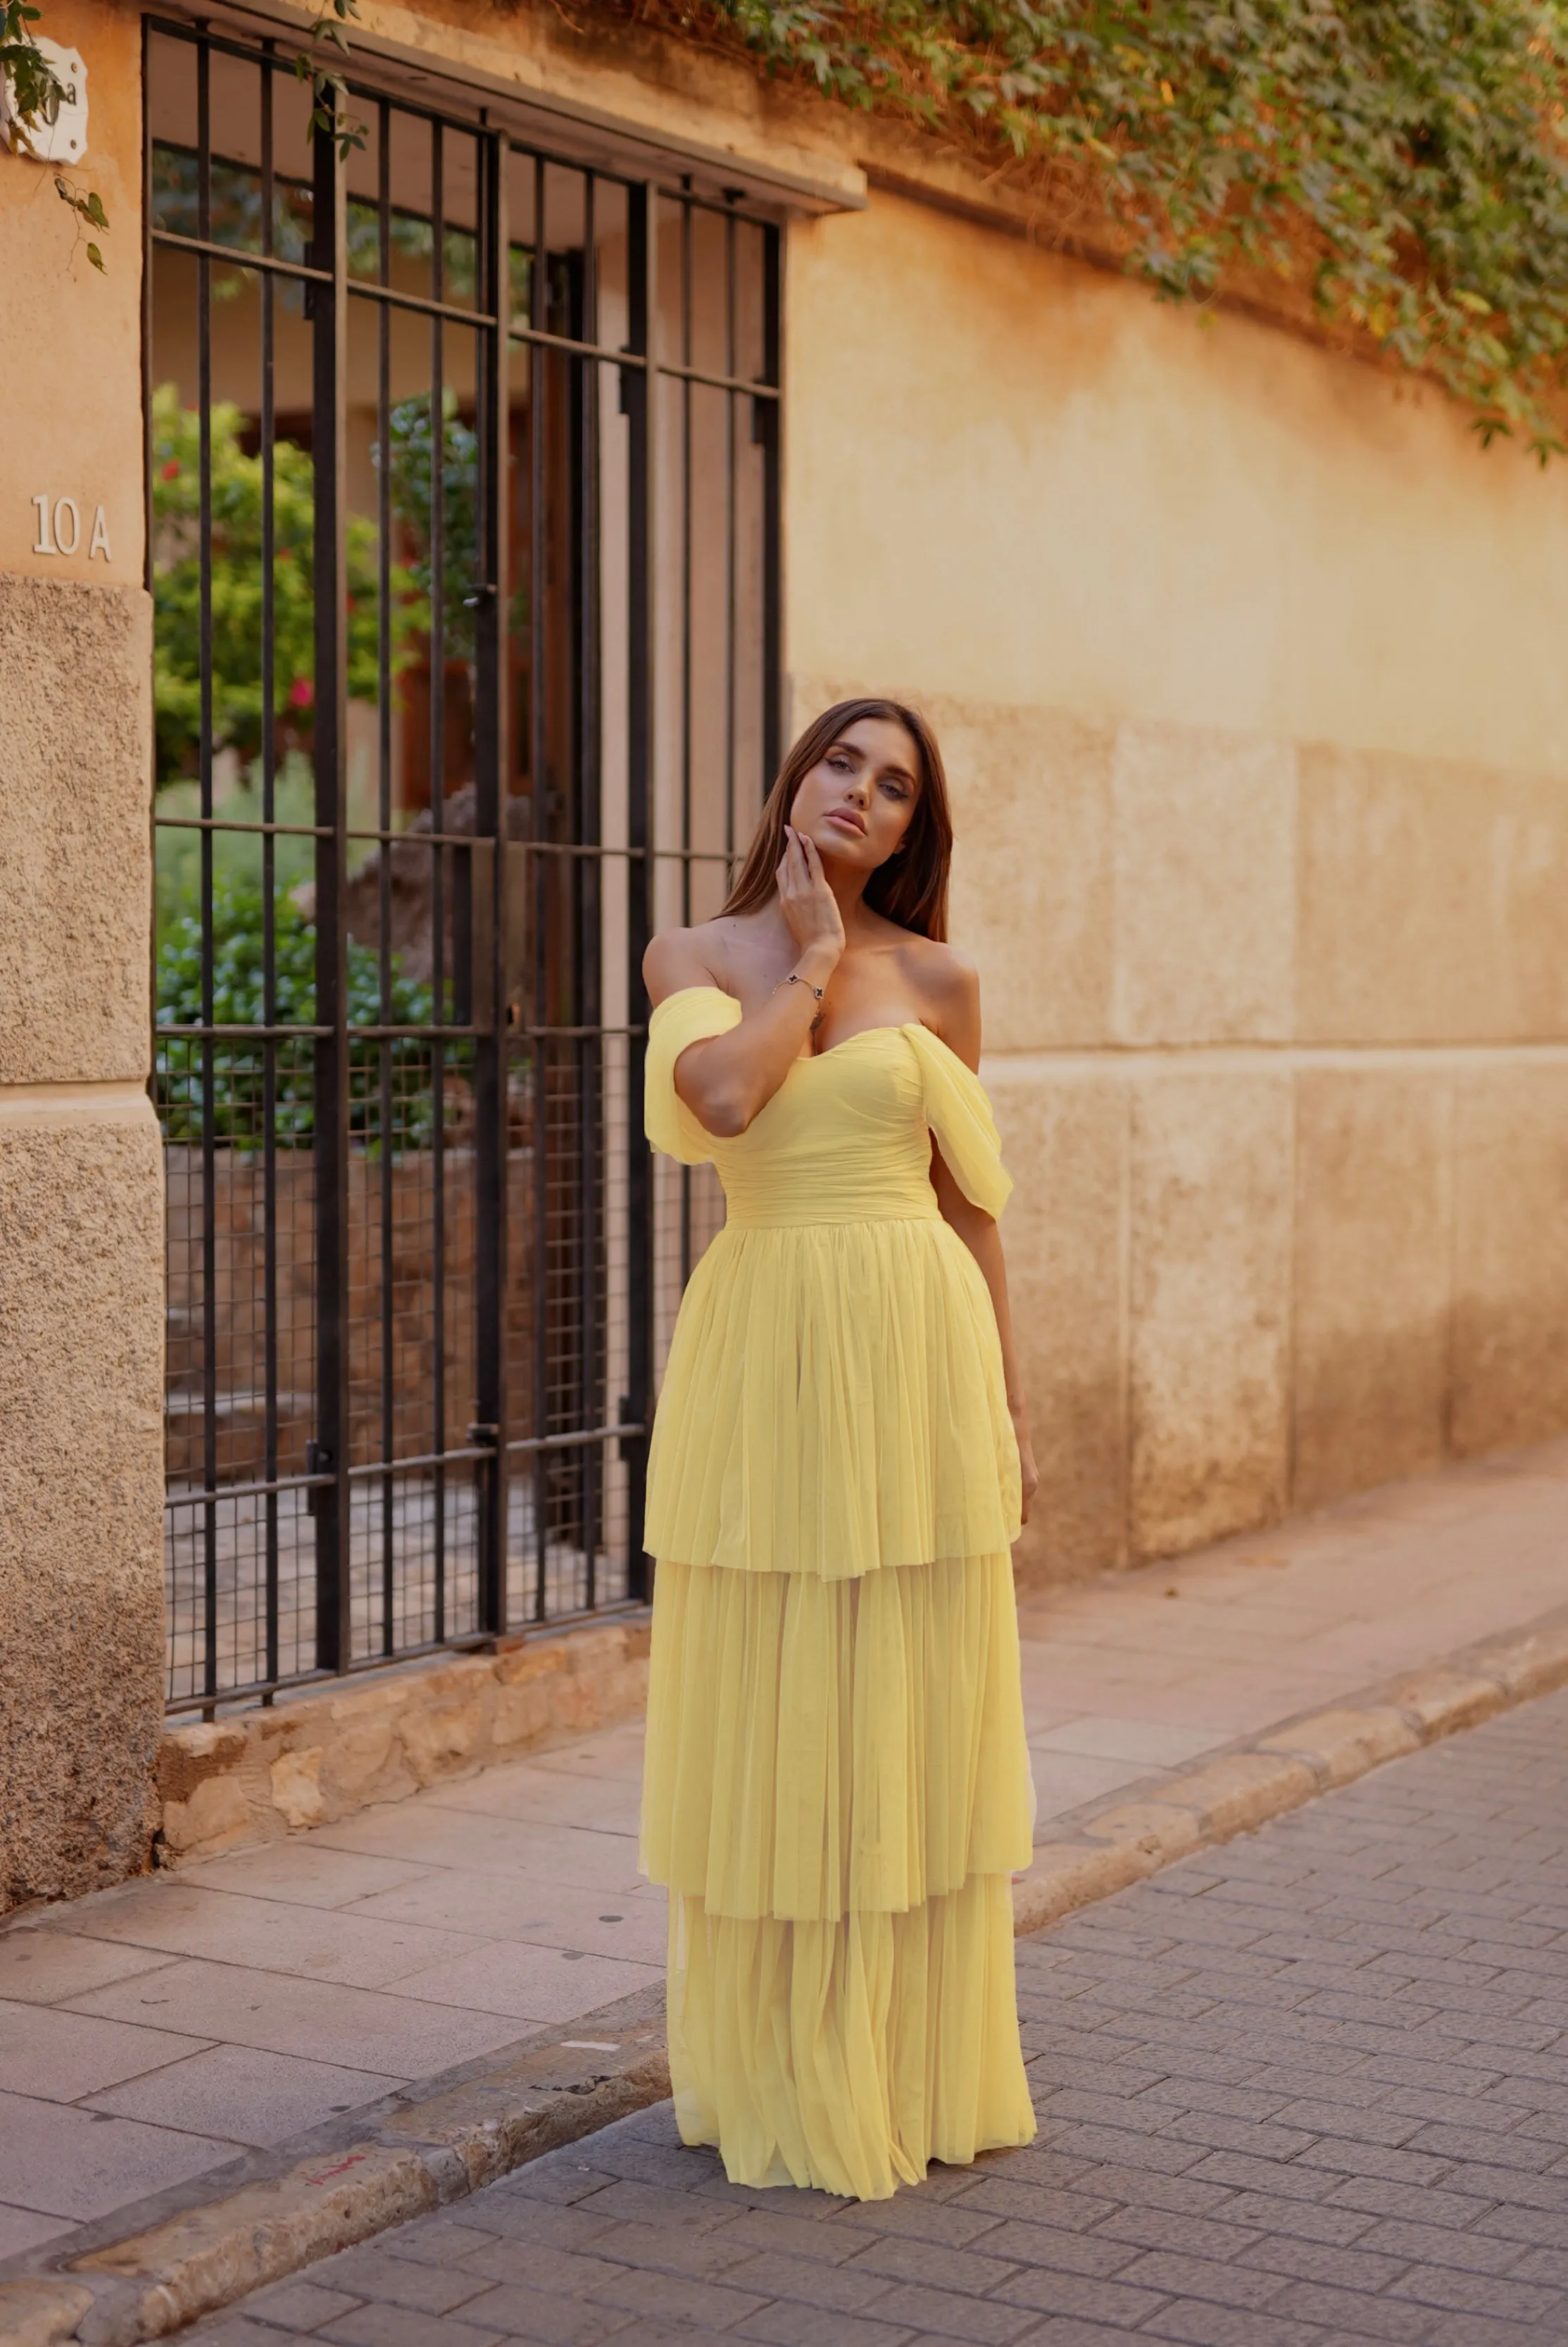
<point>836,1794</point>
<point>837,1789</point>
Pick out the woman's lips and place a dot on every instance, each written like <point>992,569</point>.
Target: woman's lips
<point>847,822</point>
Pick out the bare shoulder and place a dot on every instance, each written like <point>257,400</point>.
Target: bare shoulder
<point>948,986</point>
<point>681,958</point>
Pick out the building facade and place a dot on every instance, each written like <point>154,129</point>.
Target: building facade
<point>412,560</point>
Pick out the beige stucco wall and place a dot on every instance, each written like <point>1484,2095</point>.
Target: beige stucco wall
<point>81,1197</point>
<point>1248,665</point>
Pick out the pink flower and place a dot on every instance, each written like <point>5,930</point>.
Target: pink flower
<point>301,692</point>
<point>171,470</point>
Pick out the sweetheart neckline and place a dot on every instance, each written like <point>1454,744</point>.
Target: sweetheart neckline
<point>901,1026</point>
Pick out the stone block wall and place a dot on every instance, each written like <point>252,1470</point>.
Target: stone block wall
<point>320,1756</point>
<point>1278,1044</point>
<point>81,1245</point>
<point>1247,661</point>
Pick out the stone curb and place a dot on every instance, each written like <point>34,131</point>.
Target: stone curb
<point>419,2154</point>
<point>458,2136</point>
<point>1130,1835</point>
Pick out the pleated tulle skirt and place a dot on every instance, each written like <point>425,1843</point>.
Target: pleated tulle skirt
<point>837,1792</point>
<point>834,1404</point>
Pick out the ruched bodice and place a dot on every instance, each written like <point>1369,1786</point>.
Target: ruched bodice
<point>836,1784</point>
<point>847,1136</point>
<point>842,1141</point>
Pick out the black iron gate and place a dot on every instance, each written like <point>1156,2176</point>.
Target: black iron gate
<point>463,466</point>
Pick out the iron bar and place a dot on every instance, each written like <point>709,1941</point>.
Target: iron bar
<point>685,382</point>
<point>384,745</point>
<point>209,1121</point>
<point>730,580</point>
<point>332,1058</point>
<point>268,904</point>
<point>490,741</point>
<point>586,875</point>
<point>538,800</point>
<point>437,866</point>
<point>642,618</point>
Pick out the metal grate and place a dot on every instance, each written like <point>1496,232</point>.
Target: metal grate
<point>462,481</point>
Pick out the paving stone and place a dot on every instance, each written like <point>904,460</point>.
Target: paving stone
<point>1163,2228</point>
<point>1123,2304</point>
<point>934,2264</point>
<point>629,2202</point>
<point>519,2310</point>
<point>911,2214</point>
<point>1338,2310</point>
<point>674,2297</point>
<point>1490,2294</point>
<point>1479,2146</point>
<point>400,2326</point>
<point>1505,2223</point>
<point>373,2272</point>
<point>1061,2253</point>
<point>1549,2266</point>
<point>788,2324</point>
<point>1474,2251</point>
<point>1323,2262</point>
<point>1273,2213</point>
<point>1160,2154</point>
<point>1346,2157</point>
<point>1479,2331</point>
<point>298,2305</point>
<point>775,2274</point>
<point>1179,2275</point>
<point>1227,2326</point>
<point>241,2330</point>
<point>983,2322</point>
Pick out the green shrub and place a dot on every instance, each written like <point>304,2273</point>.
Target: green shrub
<point>238,999</point>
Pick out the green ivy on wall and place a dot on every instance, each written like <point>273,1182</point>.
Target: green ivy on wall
<point>1407,158</point>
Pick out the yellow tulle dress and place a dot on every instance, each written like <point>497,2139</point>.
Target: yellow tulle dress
<point>837,1789</point>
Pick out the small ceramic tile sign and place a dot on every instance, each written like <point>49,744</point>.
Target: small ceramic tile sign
<point>61,138</point>
<point>68,526</point>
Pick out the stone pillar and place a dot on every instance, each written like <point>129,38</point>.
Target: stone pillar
<point>81,1214</point>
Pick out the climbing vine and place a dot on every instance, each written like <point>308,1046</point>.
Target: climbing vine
<point>1406,160</point>
<point>37,93</point>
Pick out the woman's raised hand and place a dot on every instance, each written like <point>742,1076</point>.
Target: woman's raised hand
<point>806,901</point>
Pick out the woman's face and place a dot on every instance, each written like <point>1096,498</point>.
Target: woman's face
<point>857,802</point>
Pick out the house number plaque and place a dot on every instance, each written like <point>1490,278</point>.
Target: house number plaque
<point>60,528</point>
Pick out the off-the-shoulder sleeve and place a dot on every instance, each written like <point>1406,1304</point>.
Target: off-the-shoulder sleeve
<point>682,1019</point>
<point>959,1114</point>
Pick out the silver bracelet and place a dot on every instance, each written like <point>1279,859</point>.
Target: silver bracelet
<point>794,978</point>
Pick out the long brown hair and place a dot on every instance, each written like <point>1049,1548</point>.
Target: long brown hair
<point>911,888</point>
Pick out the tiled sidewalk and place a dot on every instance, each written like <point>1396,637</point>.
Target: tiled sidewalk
<point>150,2034</point>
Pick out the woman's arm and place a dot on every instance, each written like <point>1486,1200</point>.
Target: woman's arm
<point>984,1241</point>
<point>727,1079</point>
<point>960,1031</point>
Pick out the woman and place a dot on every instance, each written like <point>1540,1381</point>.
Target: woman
<point>837,1789</point>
